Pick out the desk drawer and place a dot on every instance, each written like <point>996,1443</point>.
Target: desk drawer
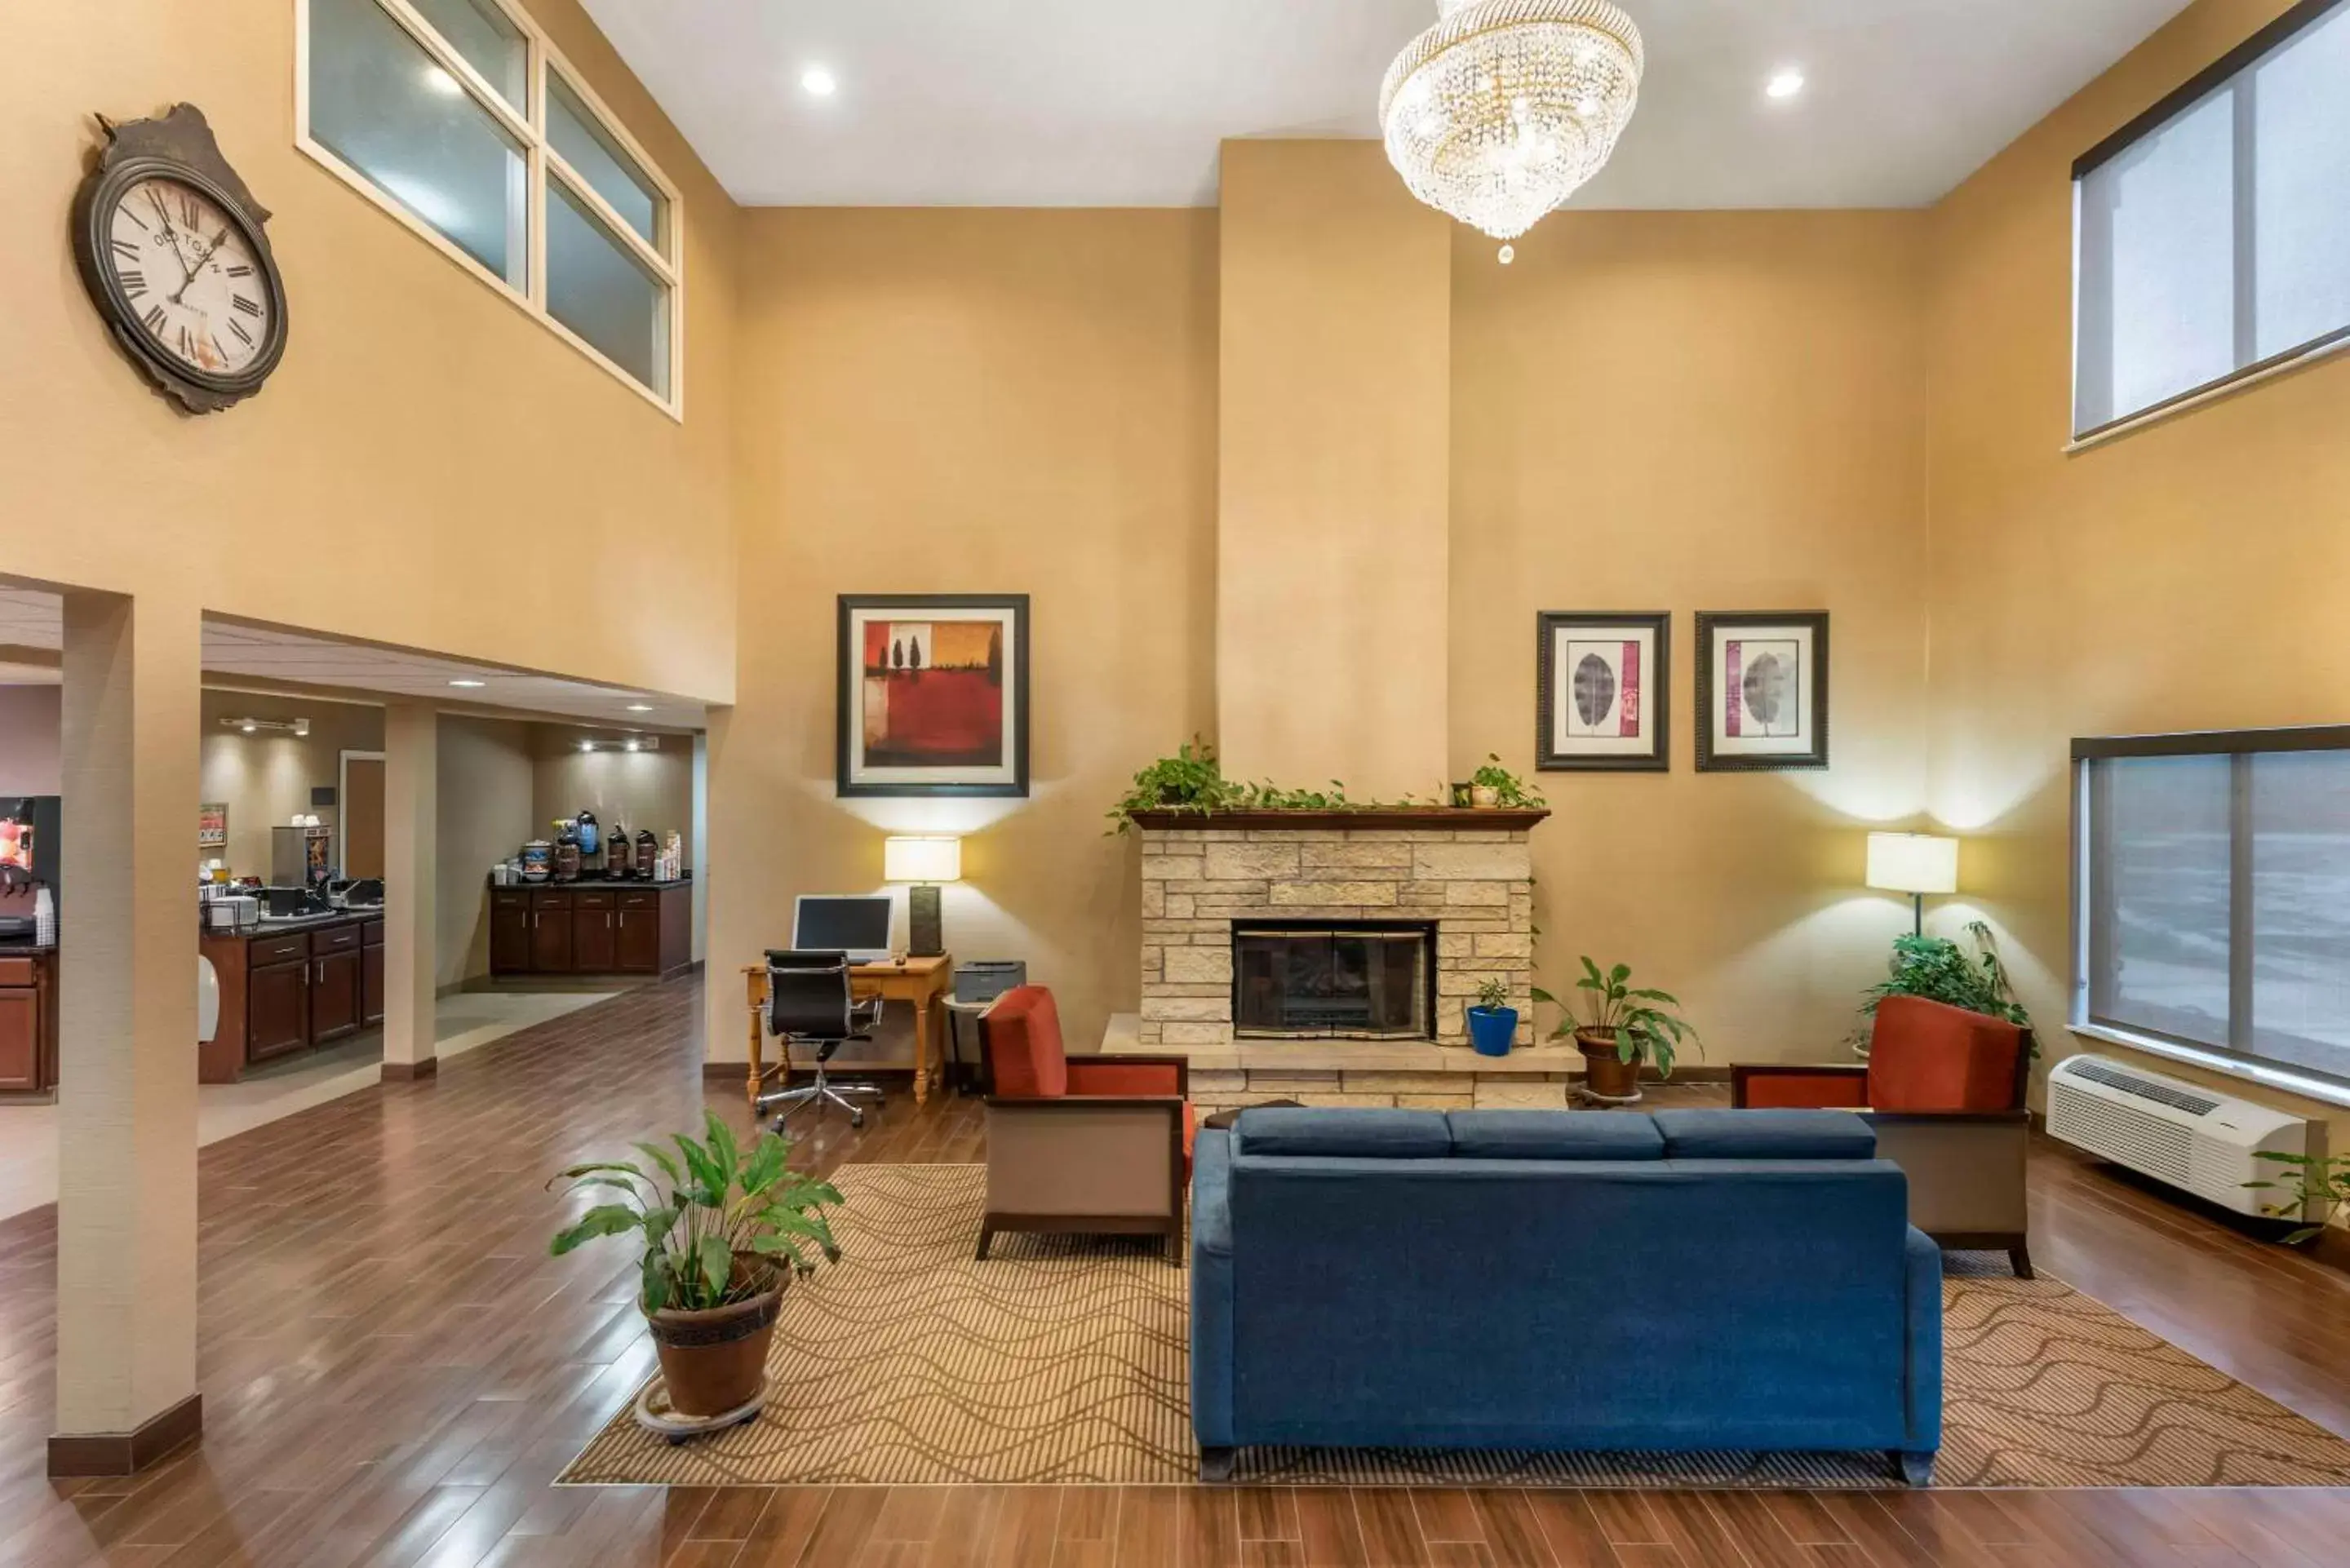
<point>640,901</point>
<point>342,939</point>
<point>592,900</point>
<point>515,901</point>
<point>16,972</point>
<point>276,950</point>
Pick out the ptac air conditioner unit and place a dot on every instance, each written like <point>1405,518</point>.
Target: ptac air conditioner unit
<point>2174,1131</point>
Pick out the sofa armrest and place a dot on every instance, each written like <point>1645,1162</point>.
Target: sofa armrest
<point>1840,1085</point>
<point>1211,1290</point>
<point>1098,1157</point>
<point>1131,1075</point>
<point>1923,1271</point>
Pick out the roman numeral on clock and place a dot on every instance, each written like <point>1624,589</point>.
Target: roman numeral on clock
<point>189,214</point>
<point>153,320</point>
<point>241,335</point>
<point>124,249</point>
<point>240,270</point>
<point>135,283</point>
<point>243,307</point>
<point>187,342</point>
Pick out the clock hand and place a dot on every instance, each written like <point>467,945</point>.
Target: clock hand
<point>203,262</point>
<point>170,235</point>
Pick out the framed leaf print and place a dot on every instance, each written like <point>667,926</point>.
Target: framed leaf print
<point>933,694</point>
<point>1601,685</point>
<point>1762,691</point>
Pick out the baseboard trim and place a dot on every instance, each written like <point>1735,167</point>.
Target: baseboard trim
<point>127,1453</point>
<point>409,1072</point>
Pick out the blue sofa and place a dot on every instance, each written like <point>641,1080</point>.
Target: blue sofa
<point>1686,1280</point>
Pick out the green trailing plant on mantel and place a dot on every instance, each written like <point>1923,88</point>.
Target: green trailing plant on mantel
<point>1194,780</point>
<point>1509,790</point>
<point>1940,971</point>
<point>2318,1185</point>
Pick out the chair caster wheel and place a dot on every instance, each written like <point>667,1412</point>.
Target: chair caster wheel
<point>857,1118</point>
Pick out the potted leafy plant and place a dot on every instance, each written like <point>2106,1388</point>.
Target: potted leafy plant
<point>733,1229</point>
<point>1938,970</point>
<point>2318,1185</point>
<point>1624,1026</point>
<point>1493,785</point>
<point>1493,1021</point>
<point>1191,780</point>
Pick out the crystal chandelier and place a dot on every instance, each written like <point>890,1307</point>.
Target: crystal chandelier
<point>1505,108</point>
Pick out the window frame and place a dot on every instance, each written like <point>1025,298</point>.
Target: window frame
<point>2219,74</point>
<point>527,124</point>
<point>2236,1059</point>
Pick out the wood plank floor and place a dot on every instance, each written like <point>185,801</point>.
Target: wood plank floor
<point>393,1372</point>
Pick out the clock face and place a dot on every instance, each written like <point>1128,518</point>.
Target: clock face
<point>188,270</point>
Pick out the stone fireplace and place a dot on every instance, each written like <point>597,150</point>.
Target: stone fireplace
<point>1330,957</point>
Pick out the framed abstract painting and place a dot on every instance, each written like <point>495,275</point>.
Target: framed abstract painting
<point>1762,691</point>
<point>1602,690</point>
<point>933,694</point>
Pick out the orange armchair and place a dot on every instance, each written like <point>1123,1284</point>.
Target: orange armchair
<point>1090,1146</point>
<point>1945,1090</point>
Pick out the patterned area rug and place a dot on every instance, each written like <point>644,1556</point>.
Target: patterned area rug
<point>1065,1361</point>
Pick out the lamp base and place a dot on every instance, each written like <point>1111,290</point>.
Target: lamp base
<point>925,937</point>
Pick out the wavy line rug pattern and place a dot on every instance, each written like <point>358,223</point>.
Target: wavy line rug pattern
<point>1066,1361</point>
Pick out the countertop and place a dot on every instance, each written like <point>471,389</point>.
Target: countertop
<point>25,947</point>
<point>591,885</point>
<point>268,928</point>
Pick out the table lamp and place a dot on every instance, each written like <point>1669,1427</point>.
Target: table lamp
<point>1916,863</point>
<point>925,862</point>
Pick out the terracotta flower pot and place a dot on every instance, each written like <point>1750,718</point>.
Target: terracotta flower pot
<point>716,1361</point>
<point>1606,1075</point>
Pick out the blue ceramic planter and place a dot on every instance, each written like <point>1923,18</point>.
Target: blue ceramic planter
<point>1491,1030</point>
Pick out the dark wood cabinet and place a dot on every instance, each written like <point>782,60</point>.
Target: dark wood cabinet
<point>550,933</point>
<point>371,997</point>
<point>592,928</point>
<point>276,1009</point>
<point>28,1021</point>
<point>334,996</point>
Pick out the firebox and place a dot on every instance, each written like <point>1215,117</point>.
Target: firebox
<point>1318,980</point>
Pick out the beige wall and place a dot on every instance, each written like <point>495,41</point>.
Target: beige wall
<point>29,727</point>
<point>427,452</point>
<point>2188,576</point>
<point>1333,410</point>
<point>1685,412</point>
<point>265,778</point>
<point>970,401</point>
<point>486,774</point>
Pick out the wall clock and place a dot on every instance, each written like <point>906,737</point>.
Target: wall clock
<point>171,247</point>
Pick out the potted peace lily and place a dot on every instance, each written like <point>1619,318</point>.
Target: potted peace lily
<point>1624,1026</point>
<point>723,1231</point>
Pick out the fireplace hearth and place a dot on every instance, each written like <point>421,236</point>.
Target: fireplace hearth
<point>1323,980</point>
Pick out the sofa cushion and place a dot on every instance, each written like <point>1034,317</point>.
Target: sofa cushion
<point>1333,1131</point>
<point>1766,1135</point>
<point>1554,1134</point>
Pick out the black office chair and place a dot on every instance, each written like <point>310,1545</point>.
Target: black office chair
<point>808,999</point>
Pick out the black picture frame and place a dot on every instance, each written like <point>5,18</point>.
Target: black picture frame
<point>1656,688</point>
<point>847,676</point>
<point>1710,624</point>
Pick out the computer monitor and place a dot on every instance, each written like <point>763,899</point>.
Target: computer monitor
<point>854,923</point>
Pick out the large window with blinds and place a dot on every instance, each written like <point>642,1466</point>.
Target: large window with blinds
<point>2211,235</point>
<point>2213,894</point>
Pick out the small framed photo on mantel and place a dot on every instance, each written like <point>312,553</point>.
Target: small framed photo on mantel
<point>1762,691</point>
<point>1601,688</point>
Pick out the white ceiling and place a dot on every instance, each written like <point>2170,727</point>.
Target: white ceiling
<point>267,657</point>
<point>1122,103</point>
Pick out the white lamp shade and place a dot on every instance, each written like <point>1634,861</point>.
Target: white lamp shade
<point>922,860</point>
<point>1913,863</point>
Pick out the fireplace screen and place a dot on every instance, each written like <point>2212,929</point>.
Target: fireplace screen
<point>1365,979</point>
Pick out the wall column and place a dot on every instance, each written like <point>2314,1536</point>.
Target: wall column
<point>126,1017</point>
<point>411,812</point>
<point>1335,415</point>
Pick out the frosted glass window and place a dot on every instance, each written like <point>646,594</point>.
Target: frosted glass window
<point>601,161</point>
<point>2300,98</point>
<point>2301,910</point>
<point>596,286</point>
<point>2159,909</point>
<point>380,103</point>
<point>488,41</point>
<point>2212,241</point>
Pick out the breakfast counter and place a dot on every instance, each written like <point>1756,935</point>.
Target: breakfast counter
<point>290,986</point>
<point>591,926</point>
<point>28,1019</point>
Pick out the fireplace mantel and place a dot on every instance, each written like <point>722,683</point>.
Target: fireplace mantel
<point>1368,819</point>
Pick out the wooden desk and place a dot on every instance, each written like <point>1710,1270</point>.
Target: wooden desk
<point>918,981</point>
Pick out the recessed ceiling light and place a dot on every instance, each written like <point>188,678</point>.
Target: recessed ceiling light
<point>640,707</point>
<point>586,745</point>
<point>470,685</point>
<point>1785,84</point>
<point>631,745</point>
<point>818,82</point>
